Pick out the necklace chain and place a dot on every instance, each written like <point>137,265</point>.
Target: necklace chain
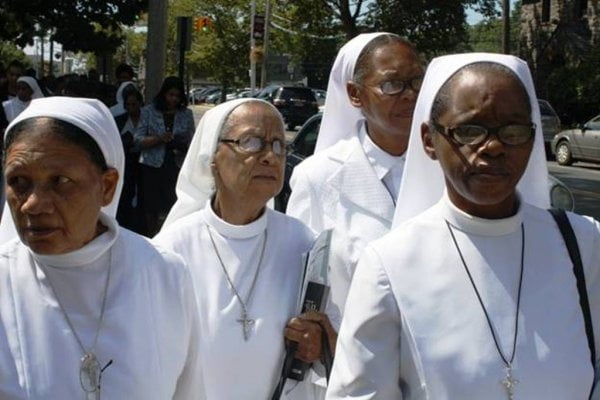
<point>509,381</point>
<point>245,321</point>
<point>89,361</point>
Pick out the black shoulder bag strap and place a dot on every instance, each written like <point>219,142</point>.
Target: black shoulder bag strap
<point>571,242</point>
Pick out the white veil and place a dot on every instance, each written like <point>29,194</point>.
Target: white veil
<point>92,117</point>
<point>340,118</point>
<point>196,183</point>
<point>423,180</point>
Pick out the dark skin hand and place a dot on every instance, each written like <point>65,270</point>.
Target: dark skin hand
<point>305,330</point>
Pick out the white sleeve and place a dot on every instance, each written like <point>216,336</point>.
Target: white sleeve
<point>367,359</point>
<point>588,238</point>
<point>191,381</point>
<point>303,202</point>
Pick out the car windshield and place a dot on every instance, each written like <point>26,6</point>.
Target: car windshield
<point>289,93</point>
<point>546,109</point>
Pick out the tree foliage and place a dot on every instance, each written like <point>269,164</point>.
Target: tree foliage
<point>80,25</point>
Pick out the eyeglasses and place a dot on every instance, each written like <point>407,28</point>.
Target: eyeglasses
<point>393,87</point>
<point>256,144</point>
<point>512,134</point>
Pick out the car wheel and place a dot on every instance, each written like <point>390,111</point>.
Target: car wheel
<point>563,153</point>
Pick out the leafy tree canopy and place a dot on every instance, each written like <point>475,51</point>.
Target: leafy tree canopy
<point>80,25</point>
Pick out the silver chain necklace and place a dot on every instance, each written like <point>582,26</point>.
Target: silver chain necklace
<point>509,382</point>
<point>90,371</point>
<point>244,319</point>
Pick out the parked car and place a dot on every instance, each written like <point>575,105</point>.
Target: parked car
<point>550,124</point>
<point>296,104</point>
<point>200,96</point>
<point>320,95</point>
<point>304,143</point>
<point>581,144</point>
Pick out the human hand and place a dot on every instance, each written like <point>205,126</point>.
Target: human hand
<point>307,330</point>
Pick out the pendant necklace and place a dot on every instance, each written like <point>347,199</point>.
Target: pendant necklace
<point>244,318</point>
<point>90,370</point>
<point>509,382</point>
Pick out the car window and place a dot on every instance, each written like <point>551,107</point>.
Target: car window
<point>594,124</point>
<point>546,109</point>
<point>289,93</point>
<point>307,138</point>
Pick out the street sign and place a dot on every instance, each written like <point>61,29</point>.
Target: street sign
<point>258,27</point>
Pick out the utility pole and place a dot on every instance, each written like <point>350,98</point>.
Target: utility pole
<point>506,26</point>
<point>263,70</point>
<point>156,48</point>
<point>252,50</point>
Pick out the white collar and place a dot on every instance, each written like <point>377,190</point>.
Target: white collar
<point>381,160</point>
<point>480,226</point>
<point>88,253</point>
<point>224,228</point>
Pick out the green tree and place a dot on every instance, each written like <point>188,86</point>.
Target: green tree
<point>486,36</point>
<point>10,52</point>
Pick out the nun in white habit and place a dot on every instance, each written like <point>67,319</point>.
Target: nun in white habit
<point>351,183</point>
<point>246,259</point>
<point>119,107</point>
<point>87,309</point>
<point>473,294</point>
<point>27,90</point>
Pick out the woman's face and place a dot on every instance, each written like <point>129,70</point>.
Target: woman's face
<point>55,191</point>
<point>173,98</point>
<point>133,105</point>
<point>24,92</point>
<point>254,177</point>
<point>481,179</point>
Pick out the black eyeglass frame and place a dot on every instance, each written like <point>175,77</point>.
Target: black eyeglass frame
<point>405,84</point>
<point>449,133</point>
<point>262,146</point>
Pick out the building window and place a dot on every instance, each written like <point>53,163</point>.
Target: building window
<point>581,7</point>
<point>546,10</point>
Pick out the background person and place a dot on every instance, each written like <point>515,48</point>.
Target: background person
<point>27,90</point>
<point>129,214</point>
<point>454,302</point>
<point>82,301</point>
<point>163,134</point>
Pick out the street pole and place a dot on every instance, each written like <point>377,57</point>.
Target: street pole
<point>263,70</point>
<point>252,47</point>
<point>506,26</point>
<point>156,48</point>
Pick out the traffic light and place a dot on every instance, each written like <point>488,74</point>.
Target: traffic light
<point>258,31</point>
<point>202,24</point>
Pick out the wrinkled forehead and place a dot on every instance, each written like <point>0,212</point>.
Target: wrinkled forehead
<point>254,118</point>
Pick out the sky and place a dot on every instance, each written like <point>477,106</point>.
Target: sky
<point>473,17</point>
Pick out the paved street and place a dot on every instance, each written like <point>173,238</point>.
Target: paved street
<point>584,181</point>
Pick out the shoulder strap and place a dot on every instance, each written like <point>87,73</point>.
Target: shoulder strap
<point>571,242</point>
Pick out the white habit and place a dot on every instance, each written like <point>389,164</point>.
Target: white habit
<point>349,187</point>
<point>414,328</point>
<point>234,368</point>
<point>149,331</point>
<point>349,184</point>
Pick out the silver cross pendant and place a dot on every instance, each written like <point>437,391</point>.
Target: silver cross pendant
<point>246,325</point>
<point>509,383</point>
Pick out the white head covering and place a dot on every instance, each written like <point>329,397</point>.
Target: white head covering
<point>423,180</point>
<point>340,118</point>
<point>92,117</point>
<point>196,183</point>
<point>15,106</point>
<point>32,83</point>
<point>119,108</point>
